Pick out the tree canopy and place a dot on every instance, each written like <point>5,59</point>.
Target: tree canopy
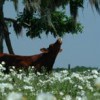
<point>47,16</point>
<point>43,16</point>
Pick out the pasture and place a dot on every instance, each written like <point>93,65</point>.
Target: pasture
<point>73,84</point>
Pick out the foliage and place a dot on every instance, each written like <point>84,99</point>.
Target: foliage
<point>96,4</point>
<point>61,22</point>
<point>39,16</point>
<point>42,17</point>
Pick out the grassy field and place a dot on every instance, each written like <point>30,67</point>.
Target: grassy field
<point>62,84</point>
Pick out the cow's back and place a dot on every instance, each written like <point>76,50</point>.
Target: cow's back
<point>17,60</point>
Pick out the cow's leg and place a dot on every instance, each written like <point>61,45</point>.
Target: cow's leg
<point>37,68</point>
<point>6,71</point>
<point>48,70</point>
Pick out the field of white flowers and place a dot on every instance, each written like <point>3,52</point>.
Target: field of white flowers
<point>59,85</point>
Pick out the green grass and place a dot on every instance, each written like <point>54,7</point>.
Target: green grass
<point>76,82</point>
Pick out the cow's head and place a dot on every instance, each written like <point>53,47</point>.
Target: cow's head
<point>53,48</point>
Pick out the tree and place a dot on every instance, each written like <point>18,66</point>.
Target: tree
<point>40,16</point>
<point>96,4</point>
<point>4,34</point>
<point>50,20</point>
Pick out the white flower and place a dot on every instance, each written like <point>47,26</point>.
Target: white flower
<point>11,70</point>
<point>38,73</point>
<point>46,96</point>
<point>27,79</point>
<point>5,85</point>
<point>75,75</point>
<point>28,88</point>
<point>1,74</point>
<point>13,67</point>
<point>15,96</point>
<point>94,72</point>
<point>65,72</point>
<point>97,82</point>
<point>89,86</point>
<point>57,76</point>
<point>82,93</point>
<point>66,78</point>
<point>67,97</point>
<point>20,76</point>
<point>20,70</point>
<point>96,94</point>
<point>61,93</point>
<point>95,76</point>
<point>81,98</point>
<point>3,63</point>
<point>2,68</point>
<point>78,98</point>
<point>32,67</point>
<point>80,87</point>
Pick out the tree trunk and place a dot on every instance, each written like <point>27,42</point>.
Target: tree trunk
<point>1,43</point>
<point>4,29</point>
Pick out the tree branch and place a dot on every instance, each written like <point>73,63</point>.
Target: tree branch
<point>15,21</point>
<point>10,19</point>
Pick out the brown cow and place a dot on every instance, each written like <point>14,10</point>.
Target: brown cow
<point>45,59</point>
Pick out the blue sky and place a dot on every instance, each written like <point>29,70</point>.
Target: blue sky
<point>82,49</point>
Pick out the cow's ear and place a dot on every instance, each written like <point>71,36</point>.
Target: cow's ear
<point>44,50</point>
<point>60,50</point>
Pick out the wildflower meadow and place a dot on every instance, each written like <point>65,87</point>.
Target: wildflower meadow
<point>62,84</point>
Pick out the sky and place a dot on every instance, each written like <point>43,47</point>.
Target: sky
<point>82,49</point>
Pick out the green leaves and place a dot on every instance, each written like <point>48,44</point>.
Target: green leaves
<point>62,23</point>
<point>74,5</point>
<point>65,24</point>
<point>96,4</point>
<point>17,27</point>
<point>42,17</point>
